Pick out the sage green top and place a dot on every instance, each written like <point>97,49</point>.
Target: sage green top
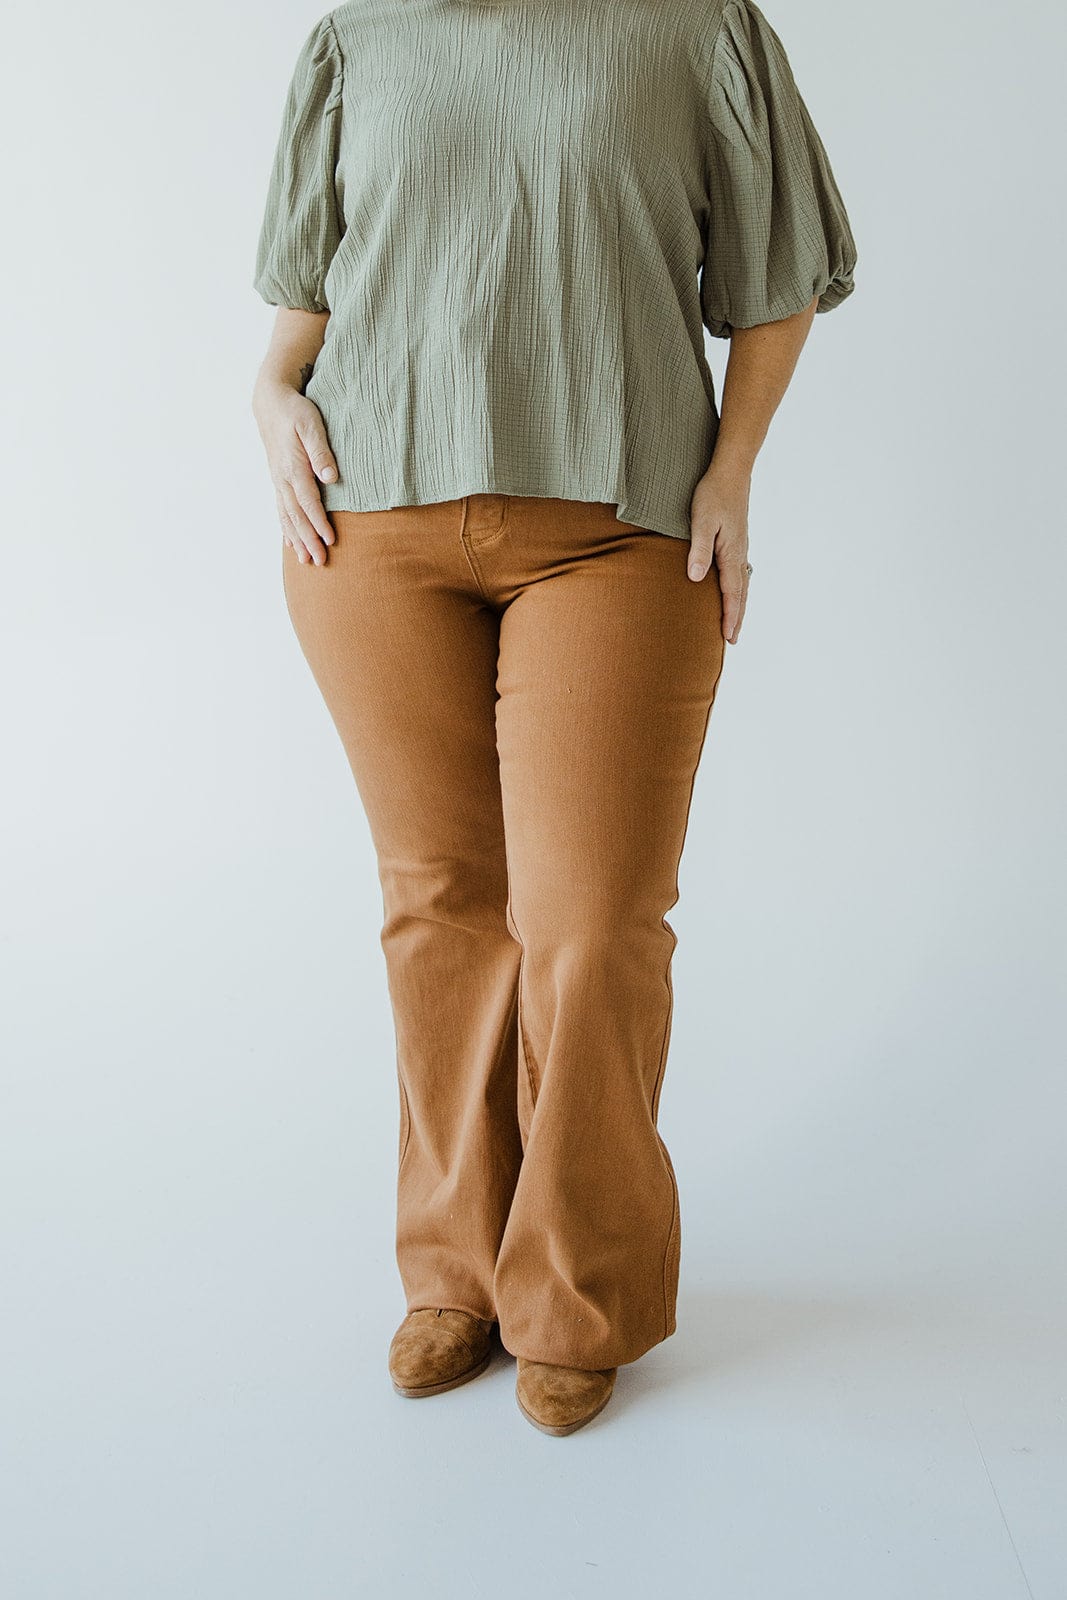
<point>521,215</point>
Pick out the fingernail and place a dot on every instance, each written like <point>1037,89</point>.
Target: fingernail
<point>327,473</point>
<point>697,572</point>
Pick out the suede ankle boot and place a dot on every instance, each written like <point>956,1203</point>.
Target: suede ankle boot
<point>560,1399</point>
<point>434,1350</point>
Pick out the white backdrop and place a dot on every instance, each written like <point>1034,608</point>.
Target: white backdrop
<point>865,1095</point>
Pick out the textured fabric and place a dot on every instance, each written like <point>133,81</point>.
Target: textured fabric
<point>521,215</point>
<point>523,687</point>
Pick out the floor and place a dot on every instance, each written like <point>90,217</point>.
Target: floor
<point>207,1413</point>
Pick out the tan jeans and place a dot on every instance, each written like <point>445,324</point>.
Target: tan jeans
<point>522,686</point>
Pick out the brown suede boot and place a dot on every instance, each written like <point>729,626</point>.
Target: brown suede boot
<point>560,1399</point>
<point>436,1350</point>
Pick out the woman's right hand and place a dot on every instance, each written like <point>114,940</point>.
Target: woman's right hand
<point>299,456</point>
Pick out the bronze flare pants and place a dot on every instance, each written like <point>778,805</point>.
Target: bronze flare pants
<point>522,686</point>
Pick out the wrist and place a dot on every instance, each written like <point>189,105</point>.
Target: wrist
<point>273,385</point>
<point>732,462</point>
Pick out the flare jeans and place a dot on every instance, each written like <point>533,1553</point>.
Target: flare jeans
<point>522,686</point>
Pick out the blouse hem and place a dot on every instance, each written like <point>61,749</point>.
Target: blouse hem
<point>646,518</point>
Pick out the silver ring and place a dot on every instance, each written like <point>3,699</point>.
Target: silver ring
<point>749,568</point>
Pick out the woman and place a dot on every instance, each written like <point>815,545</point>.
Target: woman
<point>515,547</point>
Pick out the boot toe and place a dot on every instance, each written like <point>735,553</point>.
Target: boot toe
<point>434,1350</point>
<point>559,1399</point>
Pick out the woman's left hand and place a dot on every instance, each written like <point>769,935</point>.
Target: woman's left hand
<point>719,527</point>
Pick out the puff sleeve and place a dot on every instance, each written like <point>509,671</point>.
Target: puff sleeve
<point>302,219</point>
<point>778,232</point>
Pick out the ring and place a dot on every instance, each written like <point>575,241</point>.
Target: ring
<point>749,568</point>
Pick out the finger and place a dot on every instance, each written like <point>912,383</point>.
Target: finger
<point>289,535</point>
<point>304,507</point>
<point>307,493</point>
<point>701,549</point>
<point>736,634</point>
<point>312,435</point>
<point>283,518</point>
<point>731,581</point>
<point>741,602</point>
<point>304,531</point>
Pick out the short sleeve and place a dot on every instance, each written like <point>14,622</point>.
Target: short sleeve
<point>778,232</point>
<point>302,219</point>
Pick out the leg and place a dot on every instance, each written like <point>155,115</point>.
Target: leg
<point>610,659</point>
<point>404,651</point>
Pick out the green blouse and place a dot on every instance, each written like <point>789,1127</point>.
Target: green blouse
<point>521,216</point>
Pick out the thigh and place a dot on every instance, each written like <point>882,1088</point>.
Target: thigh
<point>404,652</point>
<point>609,664</point>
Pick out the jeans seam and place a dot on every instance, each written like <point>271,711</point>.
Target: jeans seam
<point>675,1202</point>
<point>472,562</point>
<point>523,1041</point>
<point>676,1208</point>
<point>490,535</point>
<point>527,1053</point>
<point>407,1126</point>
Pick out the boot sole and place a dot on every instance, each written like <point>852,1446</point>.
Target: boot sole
<point>567,1427</point>
<point>418,1391</point>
